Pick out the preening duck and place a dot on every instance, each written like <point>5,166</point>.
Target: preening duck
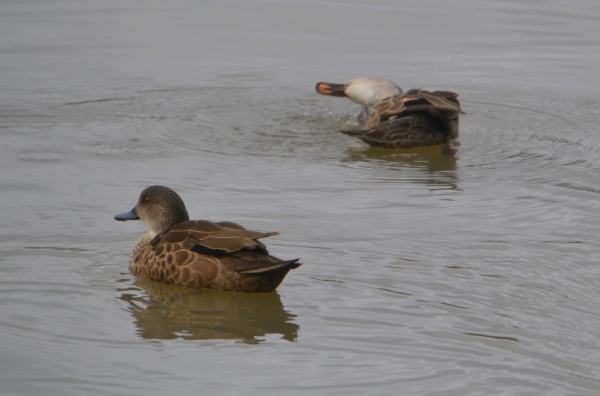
<point>401,120</point>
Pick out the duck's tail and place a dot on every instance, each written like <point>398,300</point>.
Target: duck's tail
<point>267,279</point>
<point>282,265</point>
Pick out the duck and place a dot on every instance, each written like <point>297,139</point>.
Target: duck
<point>400,120</point>
<point>200,253</point>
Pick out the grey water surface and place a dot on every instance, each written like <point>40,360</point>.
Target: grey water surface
<point>423,274</point>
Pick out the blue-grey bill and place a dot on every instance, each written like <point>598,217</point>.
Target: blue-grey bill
<point>131,215</point>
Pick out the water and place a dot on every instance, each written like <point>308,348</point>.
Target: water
<point>423,274</point>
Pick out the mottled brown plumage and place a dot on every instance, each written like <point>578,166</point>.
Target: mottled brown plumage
<point>417,118</point>
<point>200,253</point>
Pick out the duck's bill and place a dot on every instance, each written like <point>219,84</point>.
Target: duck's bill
<point>331,89</point>
<point>131,215</point>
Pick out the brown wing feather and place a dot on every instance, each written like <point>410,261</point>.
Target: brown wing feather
<point>444,102</point>
<point>438,100</point>
<point>230,224</point>
<point>387,108</point>
<point>212,239</point>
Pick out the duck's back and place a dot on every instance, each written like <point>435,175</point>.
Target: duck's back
<point>417,118</point>
<point>443,105</point>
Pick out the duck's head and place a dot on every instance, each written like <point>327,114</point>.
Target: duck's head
<point>159,207</point>
<point>368,91</point>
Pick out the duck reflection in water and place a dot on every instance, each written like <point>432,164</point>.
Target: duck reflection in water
<point>428,158</point>
<point>424,165</point>
<point>164,312</point>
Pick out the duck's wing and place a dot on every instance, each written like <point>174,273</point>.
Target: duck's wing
<point>441,104</point>
<point>388,107</point>
<point>230,224</point>
<point>212,239</point>
<point>445,102</point>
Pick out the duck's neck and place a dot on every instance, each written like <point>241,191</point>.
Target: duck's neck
<point>168,221</point>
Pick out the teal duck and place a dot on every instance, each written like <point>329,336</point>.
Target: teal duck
<point>200,253</point>
<point>404,120</point>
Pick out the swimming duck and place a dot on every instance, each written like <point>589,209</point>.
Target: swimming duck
<point>200,253</point>
<point>403,120</point>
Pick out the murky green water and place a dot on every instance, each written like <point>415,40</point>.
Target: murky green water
<point>423,273</point>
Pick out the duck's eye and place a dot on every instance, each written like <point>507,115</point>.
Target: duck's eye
<point>146,200</point>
